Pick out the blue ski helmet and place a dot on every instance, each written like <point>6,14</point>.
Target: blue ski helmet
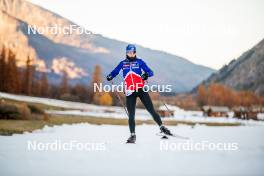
<point>130,47</point>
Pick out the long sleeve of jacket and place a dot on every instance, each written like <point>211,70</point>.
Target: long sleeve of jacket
<point>146,69</point>
<point>116,71</point>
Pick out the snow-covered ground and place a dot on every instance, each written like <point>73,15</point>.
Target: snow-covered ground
<point>144,115</point>
<point>243,155</point>
<point>52,102</point>
<point>84,109</point>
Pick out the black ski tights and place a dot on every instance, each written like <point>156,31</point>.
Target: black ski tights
<point>131,106</point>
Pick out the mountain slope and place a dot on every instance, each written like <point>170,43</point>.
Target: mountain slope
<point>79,53</point>
<point>244,73</point>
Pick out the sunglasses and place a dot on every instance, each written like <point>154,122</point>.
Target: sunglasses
<point>131,52</point>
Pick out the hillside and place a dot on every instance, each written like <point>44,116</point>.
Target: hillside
<point>77,54</point>
<point>244,73</point>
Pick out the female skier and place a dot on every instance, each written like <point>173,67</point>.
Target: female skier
<point>134,79</point>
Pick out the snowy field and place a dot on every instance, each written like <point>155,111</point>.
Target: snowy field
<point>107,154</point>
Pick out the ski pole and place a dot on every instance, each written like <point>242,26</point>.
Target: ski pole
<point>170,112</point>
<point>167,108</point>
<point>112,82</point>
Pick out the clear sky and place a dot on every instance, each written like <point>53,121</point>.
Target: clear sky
<point>206,32</point>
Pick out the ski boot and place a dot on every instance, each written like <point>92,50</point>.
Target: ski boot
<point>131,139</point>
<point>165,131</point>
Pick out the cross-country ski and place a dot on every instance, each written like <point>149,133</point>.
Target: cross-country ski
<point>167,136</point>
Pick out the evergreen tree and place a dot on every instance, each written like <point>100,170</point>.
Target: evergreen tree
<point>3,69</point>
<point>12,76</point>
<point>44,85</point>
<point>28,77</point>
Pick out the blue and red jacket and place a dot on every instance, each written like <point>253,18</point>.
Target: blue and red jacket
<point>132,71</point>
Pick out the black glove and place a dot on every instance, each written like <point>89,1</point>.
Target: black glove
<point>109,77</point>
<point>144,76</point>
